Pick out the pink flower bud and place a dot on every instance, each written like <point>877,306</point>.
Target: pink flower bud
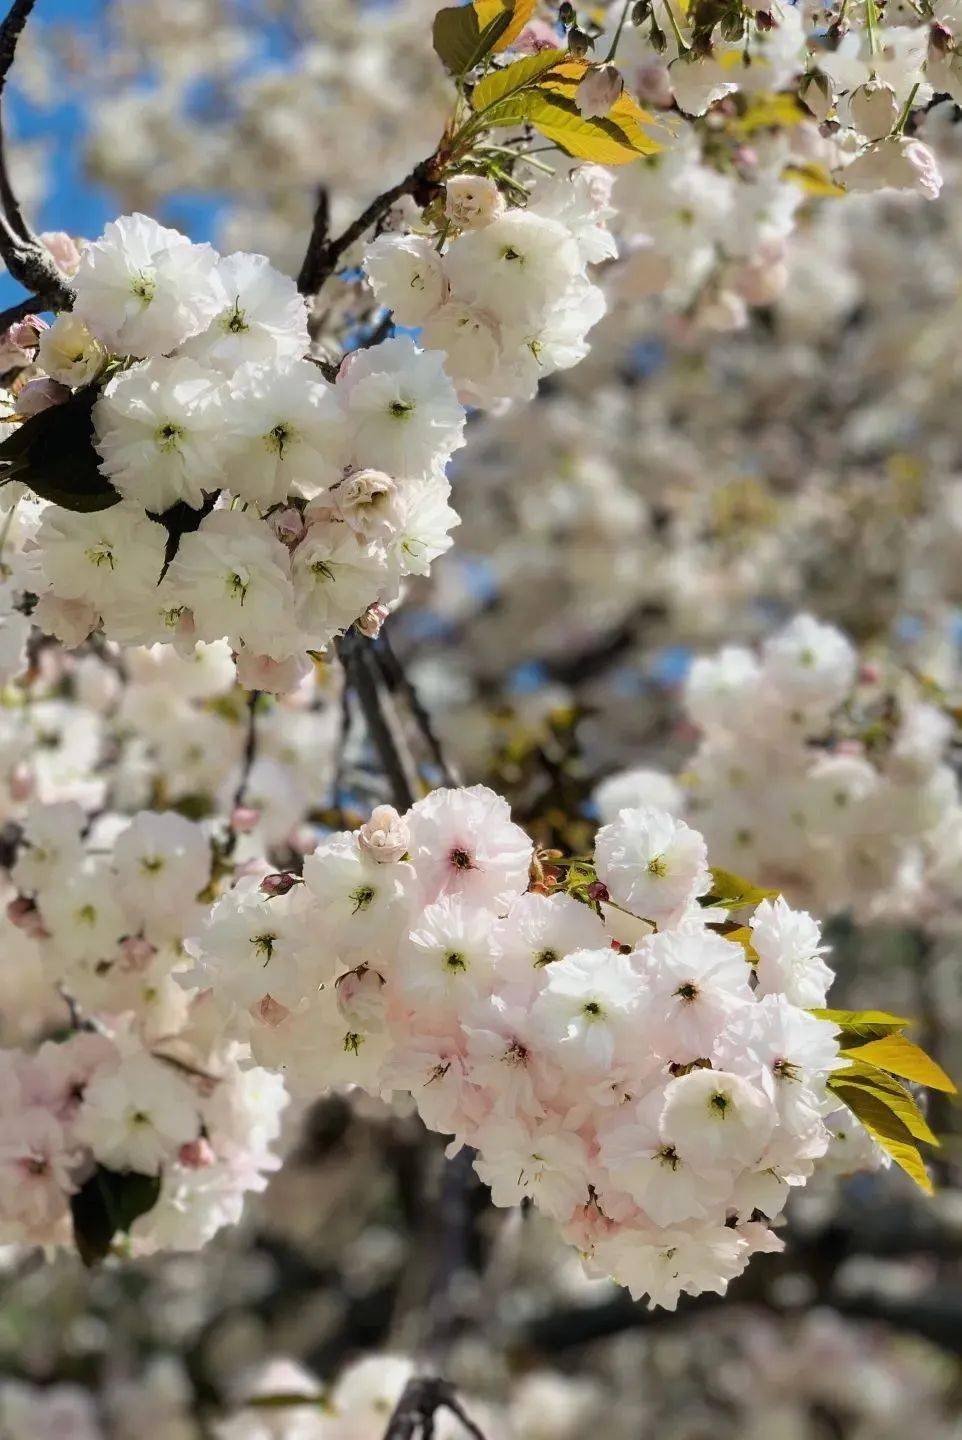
<point>196,1154</point>
<point>244,819</point>
<point>64,249</point>
<point>41,394</point>
<point>278,883</point>
<point>598,891</point>
<point>371,621</point>
<point>599,90</point>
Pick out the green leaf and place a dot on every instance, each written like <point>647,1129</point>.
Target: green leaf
<point>107,1205</point>
<point>862,1024</point>
<point>514,78</point>
<point>885,1127</point>
<point>890,1092</point>
<point>53,453</point>
<point>734,891</point>
<point>900,1056</point>
<point>519,12</point>
<point>613,139</point>
<point>460,39</point>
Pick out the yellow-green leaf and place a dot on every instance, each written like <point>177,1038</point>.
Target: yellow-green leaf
<point>890,1092</point>
<point>499,84</point>
<point>772,111</point>
<point>734,891</point>
<point>742,935</point>
<point>813,179</point>
<point>461,41</point>
<point>862,1024</point>
<point>887,1129</point>
<point>900,1056</point>
<point>520,12</point>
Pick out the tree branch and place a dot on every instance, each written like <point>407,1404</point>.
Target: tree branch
<point>397,678</point>
<point>422,1398</point>
<point>323,255</point>
<point>353,650</point>
<point>25,255</point>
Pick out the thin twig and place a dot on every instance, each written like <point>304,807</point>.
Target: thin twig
<point>26,257</point>
<point>323,255</point>
<point>398,679</point>
<point>363,679</point>
<point>423,1396</point>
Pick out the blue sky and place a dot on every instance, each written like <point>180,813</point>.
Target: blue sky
<point>72,202</point>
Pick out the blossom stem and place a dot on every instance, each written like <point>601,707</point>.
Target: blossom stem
<point>323,254</point>
<point>906,110</point>
<point>617,37</point>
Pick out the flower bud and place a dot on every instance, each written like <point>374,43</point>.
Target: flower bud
<point>279,882</point>
<point>385,837</point>
<point>640,11</point>
<point>41,394</point>
<point>371,621</point>
<point>599,90</point>
<point>566,14</point>
<point>244,819</point>
<point>64,250</point>
<point>874,109</point>
<point>196,1154</point>
<point>815,92</point>
<point>579,43</point>
<point>473,201</point>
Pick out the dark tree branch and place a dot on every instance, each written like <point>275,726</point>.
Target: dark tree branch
<point>397,678</point>
<point>363,678</point>
<point>323,254</point>
<point>26,257</point>
<point>422,1399</point>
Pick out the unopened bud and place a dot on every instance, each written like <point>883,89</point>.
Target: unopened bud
<point>764,20</point>
<point>940,39</point>
<point>640,11</point>
<point>598,890</point>
<point>815,92</point>
<point>278,883</point>
<point>24,914</point>
<point>371,621</point>
<point>657,37</point>
<point>385,838</point>
<point>599,90</point>
<point>566,15</point>
<point>244,818</point>
<point>579,43</point>
<point>196,1154</point>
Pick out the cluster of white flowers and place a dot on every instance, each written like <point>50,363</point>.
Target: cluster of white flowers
<point>312,501</point>
<point>816,777</point>
<point>506,295</point>
<point>145,1086</point>
<point>619,1063</point>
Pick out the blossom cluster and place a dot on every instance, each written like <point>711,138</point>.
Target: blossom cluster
<point>506,295</point>
<point>612,1057</point>
<point>135,1082</point>
<point>307,503</point>
<point>816,776</point>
